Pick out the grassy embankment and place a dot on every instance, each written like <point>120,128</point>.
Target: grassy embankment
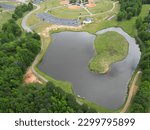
<point>128,26</point>
<point>110,47</point>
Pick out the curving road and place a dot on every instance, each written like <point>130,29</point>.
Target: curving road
<point>24,21</point>
<point>27,29</point>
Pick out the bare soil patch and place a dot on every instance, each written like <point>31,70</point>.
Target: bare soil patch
<point>91,5</point>
<point>31,78</point>
<point>73,7</point>
<point>132,92</point>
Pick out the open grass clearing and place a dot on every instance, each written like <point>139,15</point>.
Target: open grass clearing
<point>101,6</point>
<point>64,12</point>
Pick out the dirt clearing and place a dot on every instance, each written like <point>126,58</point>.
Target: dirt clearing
<point>31,78</point>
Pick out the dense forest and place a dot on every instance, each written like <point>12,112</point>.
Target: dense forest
<point>128,9</point>
<point>17,51</point>
<point>141,102</point>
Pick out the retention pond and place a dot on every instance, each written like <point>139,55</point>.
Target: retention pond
<point>67,59</point>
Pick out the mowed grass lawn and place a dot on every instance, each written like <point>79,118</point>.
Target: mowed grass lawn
<point>110,47</point>
<point>65,12</point>
<point>101,6</point>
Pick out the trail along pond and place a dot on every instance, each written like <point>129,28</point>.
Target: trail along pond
<point>67,59</point>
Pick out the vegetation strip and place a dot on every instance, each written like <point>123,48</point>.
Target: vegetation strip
<point>131,93</point>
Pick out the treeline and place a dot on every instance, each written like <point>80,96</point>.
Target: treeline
<point>128,9</point>
<point>17,51</point>
<point>146,1</point>
<point>141,102</point>
<point>41,99</point>
<point>20,10</point>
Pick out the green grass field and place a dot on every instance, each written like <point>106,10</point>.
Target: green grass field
<point>64,12</point>
<point>101,6</point>
<point>110,47</point>
<point>4,18</point>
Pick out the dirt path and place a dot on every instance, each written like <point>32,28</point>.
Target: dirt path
<point>87,10</point>
<point>24,20</point>
<point>132,92</point>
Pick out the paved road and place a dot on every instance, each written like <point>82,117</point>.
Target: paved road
<point>58,21</point>
<point>24,21</point>
<point>35,63</point>
<point>27,29</point>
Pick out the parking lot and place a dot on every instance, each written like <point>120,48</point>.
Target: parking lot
<point>59,21</point>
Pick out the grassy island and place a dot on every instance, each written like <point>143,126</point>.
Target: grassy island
<point>110,47</point>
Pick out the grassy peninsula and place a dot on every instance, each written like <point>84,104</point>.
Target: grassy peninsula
<point>110,47</point>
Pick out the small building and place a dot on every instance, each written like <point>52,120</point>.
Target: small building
<point>88,20</point>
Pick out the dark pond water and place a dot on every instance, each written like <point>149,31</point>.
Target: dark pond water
<point>67,59</point>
